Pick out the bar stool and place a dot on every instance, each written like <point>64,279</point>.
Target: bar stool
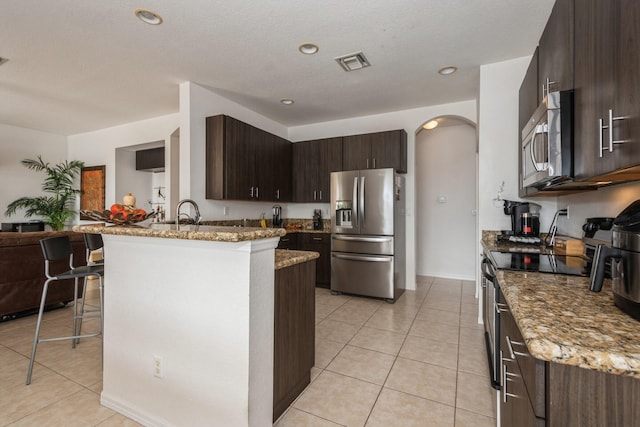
<point>92,242</point>
<point>56,249</point>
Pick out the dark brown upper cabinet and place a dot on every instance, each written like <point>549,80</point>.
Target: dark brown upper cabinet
<point>245,163</point>
<point>151,160</point>
<point>607,90</point>
<point>555,50</point>
<point>375,151</point>
<point>313,162</point>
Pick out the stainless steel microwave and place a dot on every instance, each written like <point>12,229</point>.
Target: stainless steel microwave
<point>547,143</point>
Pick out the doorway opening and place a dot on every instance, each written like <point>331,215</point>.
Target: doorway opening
<point>446,198</point>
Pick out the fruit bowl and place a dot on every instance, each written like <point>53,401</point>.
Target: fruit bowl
<point>119,218</point>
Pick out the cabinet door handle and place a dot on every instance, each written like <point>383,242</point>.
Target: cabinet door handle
<point>374,162</point>
<point>320,195</point>
<point>278,194</point>
<point>257,194</point>
<point>609,128</point>
<point>367,163</point>
<point>512,353</point>
<point>318,238</point>
<point>251,193</point>
<point>315,194</point>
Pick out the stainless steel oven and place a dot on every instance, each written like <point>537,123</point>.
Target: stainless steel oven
<point>491,319</point>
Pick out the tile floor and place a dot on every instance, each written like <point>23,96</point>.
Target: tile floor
<point>418,362</point>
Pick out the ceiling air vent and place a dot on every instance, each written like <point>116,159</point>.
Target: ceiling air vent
<point>3,60</point>
<point>353,61</point>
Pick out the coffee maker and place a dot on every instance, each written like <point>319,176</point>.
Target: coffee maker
<point>525,217</point>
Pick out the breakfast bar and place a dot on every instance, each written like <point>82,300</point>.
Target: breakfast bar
<point>189,323</point>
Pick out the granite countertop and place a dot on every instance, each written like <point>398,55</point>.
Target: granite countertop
<point>288,257</point>
<point>489,243</point>
<point>561,321</point>
<point>185,232</point>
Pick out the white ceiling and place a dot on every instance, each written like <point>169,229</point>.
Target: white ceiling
<point>81,65</point>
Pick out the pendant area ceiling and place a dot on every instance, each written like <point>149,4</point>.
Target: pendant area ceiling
<point>81,65</point>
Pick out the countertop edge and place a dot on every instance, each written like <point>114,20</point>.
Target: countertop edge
<point>288,257</point>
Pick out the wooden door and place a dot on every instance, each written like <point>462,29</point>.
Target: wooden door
<point>239,158</point>
<point>329,160</point>
<point>282,170</point>
<point>304,170</point>
<point>626,97</point>
<point>356,152</point>
<point>594,82</point>
<point>556,49</point>
<point>389,150</point>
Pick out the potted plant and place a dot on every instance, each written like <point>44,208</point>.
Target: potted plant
<point>56,208</point>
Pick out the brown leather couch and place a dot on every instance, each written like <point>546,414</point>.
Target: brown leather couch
<point>22,272</point>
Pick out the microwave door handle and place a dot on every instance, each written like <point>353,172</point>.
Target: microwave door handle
<point>532,151</point>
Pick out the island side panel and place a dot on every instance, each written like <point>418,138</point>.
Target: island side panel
<point>188,303</point>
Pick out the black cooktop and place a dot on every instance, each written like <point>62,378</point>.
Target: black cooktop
<point>541,263</point>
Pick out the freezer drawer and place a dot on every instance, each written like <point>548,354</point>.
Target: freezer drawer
<point>379,245</point>
<point>361,274</point>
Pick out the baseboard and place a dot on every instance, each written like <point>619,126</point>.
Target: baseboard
<point>138,416</point>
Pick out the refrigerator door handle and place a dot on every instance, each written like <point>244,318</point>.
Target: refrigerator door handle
<point>363,239</point>
<point>362,198</point>
<point>366,258</point>
<point>355,201</point>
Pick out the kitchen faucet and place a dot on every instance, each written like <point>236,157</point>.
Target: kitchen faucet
<point>195,220</point>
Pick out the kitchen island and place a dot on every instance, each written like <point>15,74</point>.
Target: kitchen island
<point>189,323</point>
<point>570,357</point>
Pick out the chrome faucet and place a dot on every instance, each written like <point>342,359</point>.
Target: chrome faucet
<point>195,220</point>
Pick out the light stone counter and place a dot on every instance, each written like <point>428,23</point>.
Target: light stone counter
<point>185,232</point>
<point>563,322</point>
<point>287,258</point>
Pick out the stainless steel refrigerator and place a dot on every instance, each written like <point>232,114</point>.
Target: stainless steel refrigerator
<point>368,233</point>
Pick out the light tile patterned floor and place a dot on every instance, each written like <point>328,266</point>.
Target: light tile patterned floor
<point>418,362</point>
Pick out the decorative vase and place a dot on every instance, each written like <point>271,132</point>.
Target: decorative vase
<point>129,200</point>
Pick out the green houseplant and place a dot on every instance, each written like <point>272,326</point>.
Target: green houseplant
<point>56,208</point>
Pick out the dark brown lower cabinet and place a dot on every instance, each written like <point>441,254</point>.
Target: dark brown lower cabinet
<point>294,333</point>
<point>315,242</point>
<point>538,393</point>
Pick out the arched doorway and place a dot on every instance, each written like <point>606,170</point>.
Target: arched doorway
<point>446,207</point>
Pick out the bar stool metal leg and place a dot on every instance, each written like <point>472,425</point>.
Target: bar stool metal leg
<point>36,338</point>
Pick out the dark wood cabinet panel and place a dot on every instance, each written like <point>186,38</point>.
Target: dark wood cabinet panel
<point>245,163</point>
<point>294,333</point>
<point>583,397</point>
<point>321,243</point>
<point>607,86</point>
<point>556,50</point>
<point>151,160</point>
<point>289,241</point>
<point>313,162</point>
<point>376,150</point>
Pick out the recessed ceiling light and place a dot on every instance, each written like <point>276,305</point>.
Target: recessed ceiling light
<point>148,17</point>
<point>308,48</point>
<point>287,101</point>
<point>431,125</point>
<point>450,69</point>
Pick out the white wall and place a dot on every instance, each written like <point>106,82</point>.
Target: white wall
<point>446,167</point>
<point>499,142</point>
<point>17,144</point>
<point>99,148</point>
<point>196,104</point>
<point>409,120</point>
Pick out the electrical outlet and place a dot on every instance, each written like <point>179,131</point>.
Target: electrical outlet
<point>158,370</point>
<point>225,210</point>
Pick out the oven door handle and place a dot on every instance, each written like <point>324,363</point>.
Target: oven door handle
<point>487,269</point>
